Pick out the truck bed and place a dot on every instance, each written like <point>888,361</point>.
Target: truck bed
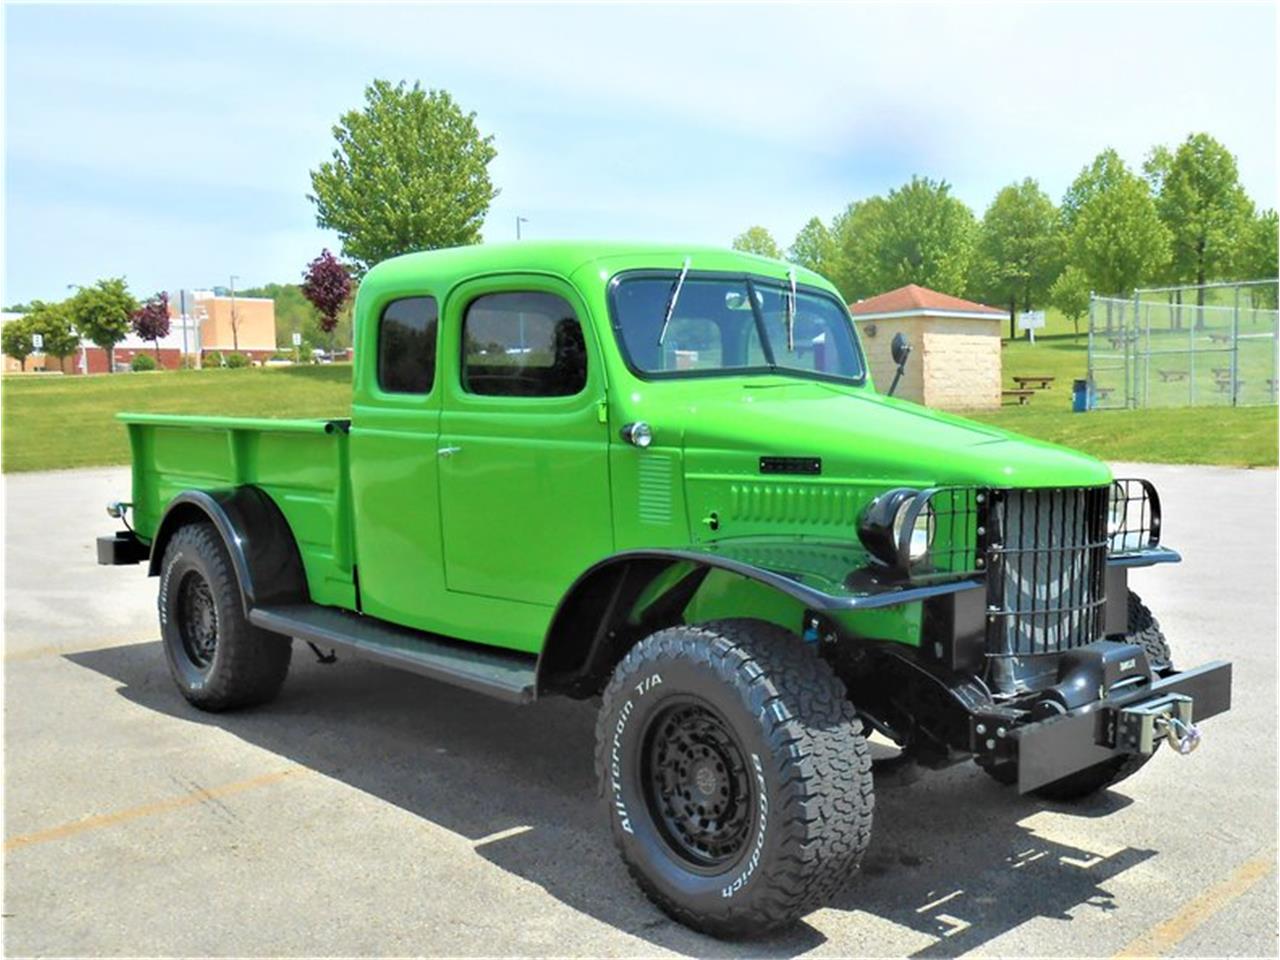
<point>301,464</point>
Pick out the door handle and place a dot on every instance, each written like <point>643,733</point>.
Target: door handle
<point>448,451</point>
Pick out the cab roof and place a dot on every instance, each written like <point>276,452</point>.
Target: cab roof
<point>567,257</point>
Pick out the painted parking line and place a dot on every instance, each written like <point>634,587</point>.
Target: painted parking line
<point>1169,933</point>
<point>149,809</point>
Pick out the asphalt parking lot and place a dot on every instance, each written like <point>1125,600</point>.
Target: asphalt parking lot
<point>372,812</point>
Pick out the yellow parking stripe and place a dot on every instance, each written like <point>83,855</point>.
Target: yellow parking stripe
<point>1169,933</point>
<point>148,809</point>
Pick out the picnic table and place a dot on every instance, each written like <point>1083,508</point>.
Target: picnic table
<point>1225,385</point>
<point>1220,337</point>
<point>1025,382</point>
<point>1022,395</point>
<point>1167,375</point>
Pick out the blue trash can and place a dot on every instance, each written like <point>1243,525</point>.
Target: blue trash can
<point>1080,399</point>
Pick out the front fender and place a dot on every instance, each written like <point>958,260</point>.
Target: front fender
<point>257,536</point>
<point>594,623</point>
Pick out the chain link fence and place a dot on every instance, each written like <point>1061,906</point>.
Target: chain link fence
<point>1211,345</point>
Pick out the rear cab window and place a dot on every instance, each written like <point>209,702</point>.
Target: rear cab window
<point>407,345</point>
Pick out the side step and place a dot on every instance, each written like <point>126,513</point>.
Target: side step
<point>505,674</point>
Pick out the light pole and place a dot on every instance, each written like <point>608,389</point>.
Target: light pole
<point>520,220</point>
<point>235,324</point>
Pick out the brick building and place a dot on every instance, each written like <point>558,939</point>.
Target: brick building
<point>955,346</point>
<point>210,324</point>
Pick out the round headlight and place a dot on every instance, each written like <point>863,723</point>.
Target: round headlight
<point>921,531</point>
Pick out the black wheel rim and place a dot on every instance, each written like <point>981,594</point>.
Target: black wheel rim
<point>197,619</point>
<point>696,784</point>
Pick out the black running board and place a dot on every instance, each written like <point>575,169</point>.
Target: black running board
<point>504,674</point>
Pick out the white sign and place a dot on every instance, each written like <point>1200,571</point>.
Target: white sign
<point>1031,321</point>
<point>37,341</point>
<point>297,339</point>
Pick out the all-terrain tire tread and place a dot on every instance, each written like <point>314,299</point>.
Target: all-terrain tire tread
<point>815,744</point>
<point>252,663</point>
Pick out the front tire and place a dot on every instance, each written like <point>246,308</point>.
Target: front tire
<point>736,774</point>
<point>218,659</point>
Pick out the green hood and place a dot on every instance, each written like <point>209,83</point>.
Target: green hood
<point>858,433</point>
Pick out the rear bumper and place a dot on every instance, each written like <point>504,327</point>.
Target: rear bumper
<point>1048,750</point>
<point>122,548</point>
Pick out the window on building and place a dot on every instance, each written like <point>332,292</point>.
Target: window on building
<point>407,345</point>
<point>524,344</point>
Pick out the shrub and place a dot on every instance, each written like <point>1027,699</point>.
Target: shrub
<point>237,361</point>
<point>214,360</point>
<point>187,362</point>
<point>143,361</point>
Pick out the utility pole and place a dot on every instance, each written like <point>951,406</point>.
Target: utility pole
<point>520,220</point>
<point>235,320</point>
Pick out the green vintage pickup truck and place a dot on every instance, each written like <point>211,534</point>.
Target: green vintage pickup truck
<point>662,477</point>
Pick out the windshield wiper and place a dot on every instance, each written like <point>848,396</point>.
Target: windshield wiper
<point>671,302</point>
<point>791,312</point>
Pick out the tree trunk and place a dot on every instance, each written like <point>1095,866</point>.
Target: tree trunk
<point>1013,317</point>
<point>111,358</point>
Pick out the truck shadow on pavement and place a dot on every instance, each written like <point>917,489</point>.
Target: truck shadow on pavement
<point>951,866</point>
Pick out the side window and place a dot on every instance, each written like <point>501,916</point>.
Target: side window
<point>407,345</point>
<point>522,345</point>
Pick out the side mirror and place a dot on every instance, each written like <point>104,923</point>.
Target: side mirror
<point>900,349</point>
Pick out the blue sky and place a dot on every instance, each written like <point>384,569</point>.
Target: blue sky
<point>172,144</point>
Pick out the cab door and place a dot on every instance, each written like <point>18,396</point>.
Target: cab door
<point>523,452</point>
<point>395,426</point>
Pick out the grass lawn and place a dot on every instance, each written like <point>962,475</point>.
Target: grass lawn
<point>51,422</point>
<point>1239,436</point>
<point>56,422</point>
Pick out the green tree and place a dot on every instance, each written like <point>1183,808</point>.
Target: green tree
<point>103,313</point>
<point>1205,209</point>
<point>854,233</point>
<point>1261,259</point>
<point>757,240</point>
<point>814,247</point>
<point>410,172</point>
<point>1106,170</point>
<point>15,339</point>
<point>1019,249</point>
<point>1117,238</point>
<point>1070,294</point>
<point>921,234</point>
<point>53,322</point>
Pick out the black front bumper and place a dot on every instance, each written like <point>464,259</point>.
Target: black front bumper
<point>1050,749</point>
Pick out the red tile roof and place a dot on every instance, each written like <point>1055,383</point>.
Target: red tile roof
<point>915,298</point>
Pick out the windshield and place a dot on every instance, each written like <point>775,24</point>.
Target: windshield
<point>732,325</point>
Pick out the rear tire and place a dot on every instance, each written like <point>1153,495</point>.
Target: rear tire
<point>218,659</point>
<point>736,774</point>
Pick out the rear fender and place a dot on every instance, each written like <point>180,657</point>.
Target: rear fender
<point>257,536</point>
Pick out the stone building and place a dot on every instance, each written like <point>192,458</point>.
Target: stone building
<point>955,346</point>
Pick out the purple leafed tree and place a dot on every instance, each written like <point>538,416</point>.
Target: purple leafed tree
<point>327,284</point>
<point>151,320</point>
